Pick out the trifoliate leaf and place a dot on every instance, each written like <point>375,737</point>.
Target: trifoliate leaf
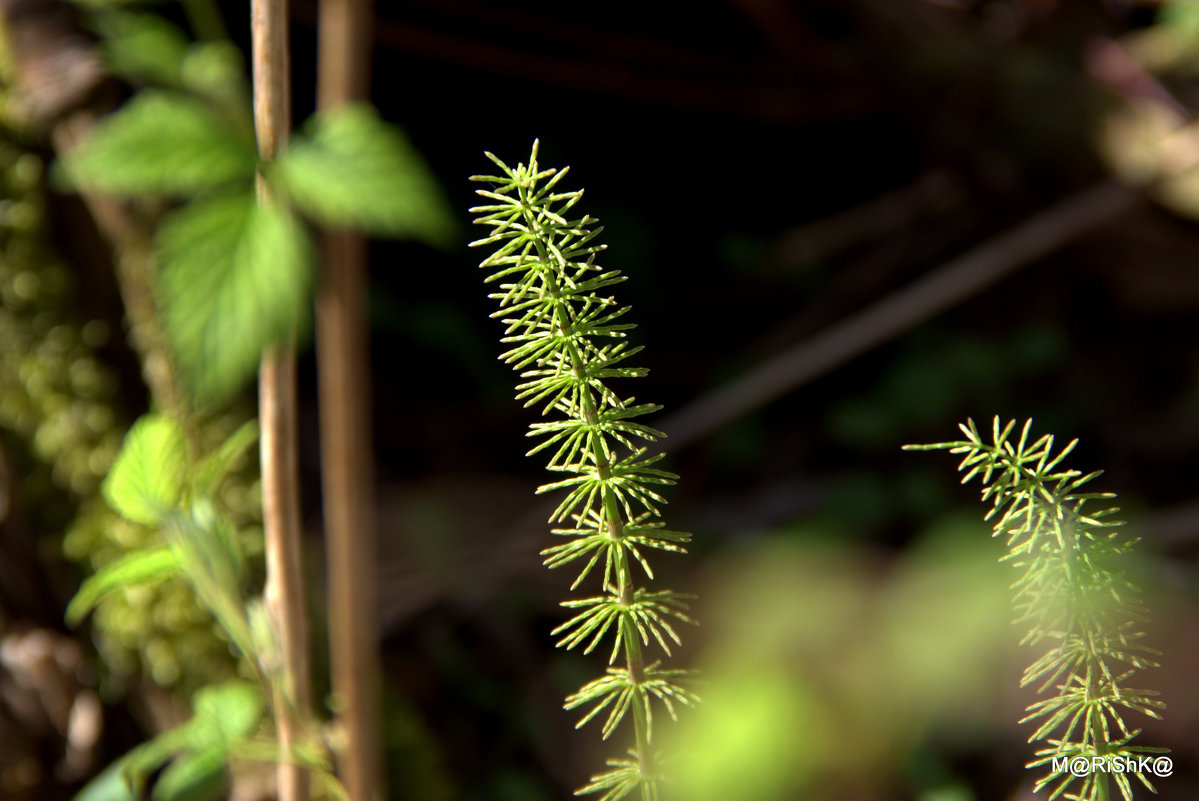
<point>147,479</point>
<point>162,143</point>
<point>138,568</point>
<point>236,278</point>
<point>349,168</point>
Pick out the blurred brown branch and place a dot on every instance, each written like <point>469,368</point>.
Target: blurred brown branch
<point>937,291</point>
<point>344,60</point>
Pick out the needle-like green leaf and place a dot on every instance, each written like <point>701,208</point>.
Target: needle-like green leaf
<point>1070,594</point>
<point>566,340</point>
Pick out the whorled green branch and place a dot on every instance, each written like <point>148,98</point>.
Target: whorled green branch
<point>1074,594</point>
<point>567,342</point>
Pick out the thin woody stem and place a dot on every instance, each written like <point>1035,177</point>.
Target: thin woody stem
<point>278,412</point>
<point>346,464</point>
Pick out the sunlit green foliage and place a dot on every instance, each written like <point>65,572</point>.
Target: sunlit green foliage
<point>192,757</point>
<point>237,273</point>
<point>1073,594</point>
<point>147,479</point>
<point>157,483</point>
<point>165,143</point>
<point>568,344</point>
<point>60,399</point>
<point>349,168</point>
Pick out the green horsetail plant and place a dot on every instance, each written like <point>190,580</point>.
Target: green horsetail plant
<point>567,343</point>
<point>1074,596</point>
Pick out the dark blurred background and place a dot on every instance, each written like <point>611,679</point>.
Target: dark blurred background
<point>779,181</point>
<point>767,172</point>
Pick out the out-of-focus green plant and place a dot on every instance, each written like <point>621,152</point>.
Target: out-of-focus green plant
<point>231,273</point>
<point>829,667</point>
<point>191,756</point>
<point>62,398</point>
<point>568,344</point>
<point>235,273</point>
<point>54,389</point>
<point>155,482</point>
<point>1149,140</point>
<point>1073,594</point>
<point>59,396</point>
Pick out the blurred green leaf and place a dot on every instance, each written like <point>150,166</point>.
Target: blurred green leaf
<point>224,716</point>
<point>349,168</point>
<point>1183,16</point>
<point>953,792</point>
<point>125,779</point>
<point>162,143</point>
<point>146,481</point>
<point>760,736</point>
<point>208,542</point>
<point>198,777</point>
<point>139,567</point>
<point>216,70</point>
<point>213,468</point>
<point>143,48</point>
<point>110,785</point>
<point>212,564</point>
<point>227,713</point>
<point>237,278</point>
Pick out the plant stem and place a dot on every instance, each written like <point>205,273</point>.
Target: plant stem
<point>346,469</point>
<point>284,560</point>
<point>634,662</point>
<point>277,409</point>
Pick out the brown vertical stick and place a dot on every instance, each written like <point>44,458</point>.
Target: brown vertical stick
<point>277,410</point>
<point>341,342</point>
